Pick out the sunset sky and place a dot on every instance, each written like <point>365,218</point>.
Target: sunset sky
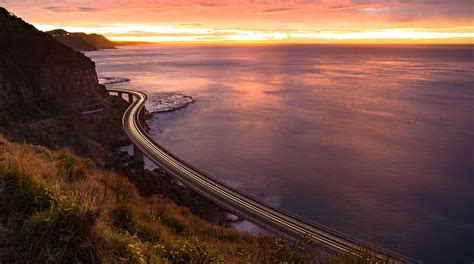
<point>277,21</point>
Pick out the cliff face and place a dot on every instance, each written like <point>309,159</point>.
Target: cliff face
<point>40,76</point>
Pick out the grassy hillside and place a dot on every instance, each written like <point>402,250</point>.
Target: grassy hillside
<point>60,208</point>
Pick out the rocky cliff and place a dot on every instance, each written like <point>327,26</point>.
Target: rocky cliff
<point>40,77</point>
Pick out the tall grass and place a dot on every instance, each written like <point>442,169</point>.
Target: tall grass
<point>59,208</point>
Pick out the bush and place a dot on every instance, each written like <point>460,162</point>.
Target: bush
<point>19,195</point>
<point>70,166</point>
<point>225,234</point>
<point>124,218</point>
<point>175,224</point>
<point>58,235</point>
<point>190,251</point>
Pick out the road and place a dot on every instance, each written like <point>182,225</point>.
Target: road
<point>238,203</point>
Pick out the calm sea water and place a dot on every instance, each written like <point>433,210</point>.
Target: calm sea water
<point>375,142</point>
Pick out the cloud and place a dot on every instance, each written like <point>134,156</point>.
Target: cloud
<point>193,24</point>
<point>396,14</point>
<point>423,10</point>
<point>281,9</point>
<point>69,9</point>
<point>338,7</point>
<point>206,4</point>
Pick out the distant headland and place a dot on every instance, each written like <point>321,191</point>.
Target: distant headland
<point>82,41</point>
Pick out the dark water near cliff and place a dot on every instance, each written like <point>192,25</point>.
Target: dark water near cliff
<point>375,142</point>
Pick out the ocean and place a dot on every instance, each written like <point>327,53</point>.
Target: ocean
<point>373,141</point>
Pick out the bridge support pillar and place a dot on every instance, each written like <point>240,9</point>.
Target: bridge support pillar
<point>119,94</point>
<point>137,154</point>
<point>130,98</point>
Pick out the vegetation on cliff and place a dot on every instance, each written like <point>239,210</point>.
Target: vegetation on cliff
<point>57,207</point>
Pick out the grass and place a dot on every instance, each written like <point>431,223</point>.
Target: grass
<point>60,208</point>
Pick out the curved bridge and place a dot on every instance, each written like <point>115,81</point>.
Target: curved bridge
<point>238,203</point>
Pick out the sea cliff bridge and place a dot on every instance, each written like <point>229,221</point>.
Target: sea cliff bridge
<point>273,219</point>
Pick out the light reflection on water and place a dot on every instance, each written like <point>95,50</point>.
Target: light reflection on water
<point>376,142</point>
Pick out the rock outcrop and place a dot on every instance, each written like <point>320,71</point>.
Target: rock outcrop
<point>40,77</point>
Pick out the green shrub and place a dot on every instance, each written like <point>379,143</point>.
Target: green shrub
<point>19,195</point>
<point>124,218</point>
<point>190,251</point>
<point>58,235</point>
<point>175,224</point>
<point>223,234</point>
<point>70,166</point>
<point>365,257</point>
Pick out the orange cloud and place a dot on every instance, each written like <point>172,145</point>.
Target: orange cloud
<point>258,20</point>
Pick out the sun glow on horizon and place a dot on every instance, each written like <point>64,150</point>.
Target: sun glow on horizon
<point>174,34</point>
<point>263,21</point>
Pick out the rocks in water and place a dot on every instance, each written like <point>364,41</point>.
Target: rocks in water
<point>112,80</point>
<point>166,102</point>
